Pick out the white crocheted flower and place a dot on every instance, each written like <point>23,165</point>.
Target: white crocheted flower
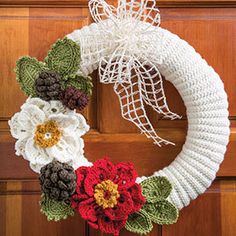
<point>47,131</point>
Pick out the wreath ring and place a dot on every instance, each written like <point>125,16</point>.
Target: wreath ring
<point>131,52</point>
<point>202,91</point>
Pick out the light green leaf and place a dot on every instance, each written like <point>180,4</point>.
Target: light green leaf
<point>27,71</point>
<point>81,82</point>
<point>156,188</point>
<point>139,223</point>
<point>162,212</point>
<point>64,57</point>
<point>55,210</point>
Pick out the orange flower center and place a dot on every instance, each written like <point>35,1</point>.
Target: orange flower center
<point>106,194</point>
<point>47,134</point>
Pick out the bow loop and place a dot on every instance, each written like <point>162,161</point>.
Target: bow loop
<point>101,11</point>
<point>131,64</point>
<point>116,68</point>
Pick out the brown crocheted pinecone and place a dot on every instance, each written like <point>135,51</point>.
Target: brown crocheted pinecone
<point>58,180</point>
<point>48,85</point>
<point>74,98</point>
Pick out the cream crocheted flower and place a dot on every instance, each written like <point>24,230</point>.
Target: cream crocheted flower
<point>47,131</point>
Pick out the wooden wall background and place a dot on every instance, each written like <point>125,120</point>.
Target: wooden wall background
<point>30,27</point>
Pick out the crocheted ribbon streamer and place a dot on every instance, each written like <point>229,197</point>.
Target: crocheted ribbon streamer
<point>136,79</point>
<point>203,94</point>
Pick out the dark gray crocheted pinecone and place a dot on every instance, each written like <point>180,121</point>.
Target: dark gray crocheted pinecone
<point>58,180</point>
<point>48,85</point>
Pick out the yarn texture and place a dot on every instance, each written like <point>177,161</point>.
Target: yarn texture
<point>58,180</point>
<point>74,98</point>
<point>106,194</point>
<point>48,86</point>
<point>47,131</point>
<point>55,210</point>
<point>156,209</point>
<point>131,52</point>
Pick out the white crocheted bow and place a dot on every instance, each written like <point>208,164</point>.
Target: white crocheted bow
<point>131,65</point>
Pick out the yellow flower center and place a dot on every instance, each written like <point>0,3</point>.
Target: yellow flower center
<point>106,194</point>
<point>47,134</point>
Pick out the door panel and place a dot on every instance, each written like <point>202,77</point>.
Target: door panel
<point>30,27</point>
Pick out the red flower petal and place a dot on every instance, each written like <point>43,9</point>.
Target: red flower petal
<point>122,209</point>
<point>87,210</point>
<point>93,225</point>
<point>137,197</point>
<point>126,175</point>
<point>109,226</point>
<point>105,165</point>
<point>100,171</point>
<point>81,174</point>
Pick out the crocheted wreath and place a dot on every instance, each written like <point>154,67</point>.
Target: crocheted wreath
<point>131,52</point>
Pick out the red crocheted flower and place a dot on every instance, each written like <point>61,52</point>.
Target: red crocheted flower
<point>106,194</point>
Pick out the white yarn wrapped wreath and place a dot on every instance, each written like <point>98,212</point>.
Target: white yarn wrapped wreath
<point>200,87</point>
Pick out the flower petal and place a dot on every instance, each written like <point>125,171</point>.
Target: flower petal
<point>82,127</point>
<point>87,210</point>
<point>137,197</point>
<point>18,130</point>
<point>79,161</point>
<point>122,209</point>
<point>65,122</point>
<point>36,155</point>
<point>81,174</point>
<point>38,102</point>
<point>66,149</point>
<point>125,175</point>
<point>56,107</point>
<point>109,226</point>
<point>20,147</point>
<point>101,170</point>
<point>30,116</point>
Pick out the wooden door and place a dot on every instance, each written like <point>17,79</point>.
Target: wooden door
<point>30,27</point>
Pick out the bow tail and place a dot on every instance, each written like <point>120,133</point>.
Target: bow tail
<point>151,86</point>
<point>132,109</point>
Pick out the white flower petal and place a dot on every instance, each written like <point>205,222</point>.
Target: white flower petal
<point>38,102</point>
<point>20,147</point>
<point>66,149</point>
<point>82,127</point>
<point>35,154</point>
<point>31,116</point>
<point>56,107</point>
<point>36,167</point>
<point>81,160</point>
<point>20,129</point>
<point>67,123</point>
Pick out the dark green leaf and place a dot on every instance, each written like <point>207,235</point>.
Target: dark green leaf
<point>81,82</point>
<point>64,57</point>
<point>27,71</point>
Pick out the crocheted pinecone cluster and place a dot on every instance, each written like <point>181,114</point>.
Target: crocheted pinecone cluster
<point>48,85</point>
<point>58,180</point>
<point>74,99</point>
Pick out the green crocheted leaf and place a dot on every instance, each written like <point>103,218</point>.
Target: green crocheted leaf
<point>162,212</point>
<point>139,223</point>
<point>27,70</point>
<point>83,83</point>
<point>55,210</point>
<point>156,188</point>
<point>64,57</point>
